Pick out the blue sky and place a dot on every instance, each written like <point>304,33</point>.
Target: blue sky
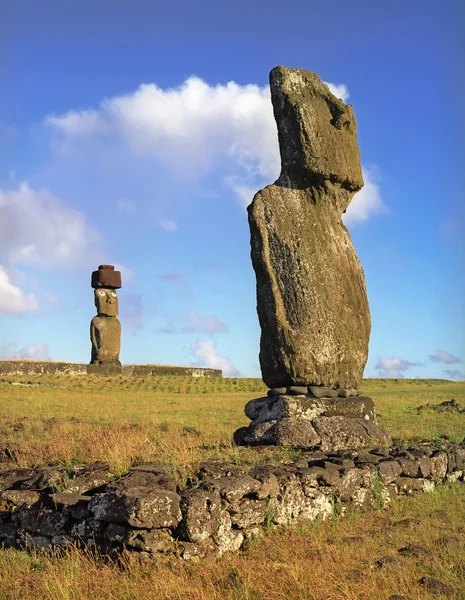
<point>137,133</point>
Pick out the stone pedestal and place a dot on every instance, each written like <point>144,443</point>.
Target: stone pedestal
<point>301,421</point>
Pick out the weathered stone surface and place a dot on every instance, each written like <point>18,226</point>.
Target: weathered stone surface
<point>410,485</point>
<point>438,466</point>
<point>224,506</point>
<point>146,540</point>
<point>311,296</point>
<point>360,407</point>
<point>154,478</point>
<point>201,509</point>
<point>313,477</point>
<point>106,277</point>
<point>44,522</point>
<point>11,499</point>
<point>269,481</point>
<point>248,512</point>
<point>297,390</point>
<point>291,420</point>
<point>139,507</point>
<point>298,433</point>
<point>410,467</point>
<point>338,433</point>
<point>105,335</point>
<point>16,479</point>
<point>105,329</point>
<point>233,489</point>
<point>389,470</point>
<point>280,407</point>
<point>256,435</point>
<point>319,391</point>
<point>226,538</point>
<point>88,528</point>
<point>74,505</point>
<point>277,391</point>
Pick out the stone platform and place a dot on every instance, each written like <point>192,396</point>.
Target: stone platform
<point>301,421</point>
<point>35,367</point>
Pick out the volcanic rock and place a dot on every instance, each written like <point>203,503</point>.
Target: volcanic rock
<point>311,296</point>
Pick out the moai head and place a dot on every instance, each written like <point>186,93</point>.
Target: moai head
<point>105,281</point>
<point>106,302</point>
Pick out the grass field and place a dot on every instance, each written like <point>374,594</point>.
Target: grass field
<point>59,419</point>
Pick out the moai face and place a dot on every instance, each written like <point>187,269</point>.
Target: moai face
<point>106,302</point>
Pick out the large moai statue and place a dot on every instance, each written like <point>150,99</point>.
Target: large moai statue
<point>105,328</point>
<point>311,296</point>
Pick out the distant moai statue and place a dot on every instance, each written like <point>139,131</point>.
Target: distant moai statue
<point>105,328</point>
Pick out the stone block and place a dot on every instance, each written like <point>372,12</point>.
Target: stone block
<point>106,277</point>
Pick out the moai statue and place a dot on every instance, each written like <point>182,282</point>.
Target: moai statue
<point>311,296</point>
<point>105,329</point>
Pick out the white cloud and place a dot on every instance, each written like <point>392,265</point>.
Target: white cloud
<point>127,274</point>
<point>79,124</point>
<point>203,323</point>
<point>196,127</point>
<point>339,90</point>
<point>168,225</point>
<point>366,203</point>
<point>206,353</point>
<point>187,127</point>
<point>32,351</point>
<point>393,367</point>
<point>12,299</point>
<point>440,356</point>
<point>244,192</point>
<point>36,228</point>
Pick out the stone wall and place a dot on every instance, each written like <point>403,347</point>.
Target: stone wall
<point>13,367</point>
<point>151,513</point>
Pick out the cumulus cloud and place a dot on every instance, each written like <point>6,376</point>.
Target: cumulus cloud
<point>209,324</point>
<point>393,367</point>
<point>186,127</point>
<point>441,356</point>
<point>206,354</point>
<point>13,300</point>
<point>32,351</point>
<point>195,128</point>
<point>36,228</point>
<point>367,202</point>
<point>339,90</point>
<point>454,374</point>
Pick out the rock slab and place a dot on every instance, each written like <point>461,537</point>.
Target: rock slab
<point>311,295</point>
<point>309,422</point>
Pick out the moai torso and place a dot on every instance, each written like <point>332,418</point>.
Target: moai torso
<point>105,328</point>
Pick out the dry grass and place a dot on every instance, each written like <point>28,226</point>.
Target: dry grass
<point>317,561</point>
<point>122,420</point>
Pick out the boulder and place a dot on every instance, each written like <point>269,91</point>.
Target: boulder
<point>138,507</point>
